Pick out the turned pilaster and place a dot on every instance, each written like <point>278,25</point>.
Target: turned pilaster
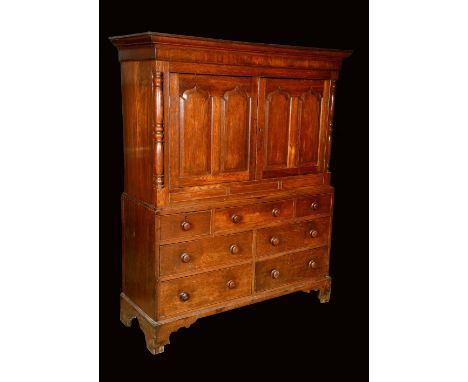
<point>331,112</point>
<point>158,130</point>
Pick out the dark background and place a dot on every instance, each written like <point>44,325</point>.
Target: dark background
<point>294,336</point>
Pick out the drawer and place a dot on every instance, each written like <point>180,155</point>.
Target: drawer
<point>185,225</point>
<point>236,217</point>
<point>289,237</point>
<point>192,292</point>
<point>291,268</point>
<point>313,205</point>
<point>204,253</point>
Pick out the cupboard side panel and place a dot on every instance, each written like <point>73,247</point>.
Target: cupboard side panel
<point>138,143</point>
<point>138,255</point>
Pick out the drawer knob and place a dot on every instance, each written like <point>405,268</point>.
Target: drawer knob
<point>186,226</point>
<point>185,257</point>
<point>235,218</point>
<point>275,212</point>
<point>274,273</point>
<point>234,248</point>
<point>231,284</point>
<point>184,296</point>
<point>314,206</point>
<point>312,264</point>
<point>313,233</point>
<point>275,241</point>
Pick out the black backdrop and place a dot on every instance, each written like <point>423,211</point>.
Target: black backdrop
<point>294,335</point>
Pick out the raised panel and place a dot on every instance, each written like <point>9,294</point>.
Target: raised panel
<point>292,122</point>
<point>195,132</point>
<point>235,130</point>
<point>309,128</point>
<point>277,122</point>
<point>210,130</point>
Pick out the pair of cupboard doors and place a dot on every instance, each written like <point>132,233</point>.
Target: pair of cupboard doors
<point>225,129</point>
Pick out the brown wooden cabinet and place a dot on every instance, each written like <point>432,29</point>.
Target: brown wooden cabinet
<point>227,198</point>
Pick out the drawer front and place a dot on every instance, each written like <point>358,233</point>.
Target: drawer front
<point>313,205</point>
<point>289,237</point>
<point>192,292</point>
<point>185,225</point>
<point>236,217</point>
<point>204,253</point>
<point>290,268</point>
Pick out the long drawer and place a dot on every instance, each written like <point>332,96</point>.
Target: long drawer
<point>192,292</point>
<point>290,268</point>
<point>205,253</point>
<point>289,237</point>
<point>238,217</point>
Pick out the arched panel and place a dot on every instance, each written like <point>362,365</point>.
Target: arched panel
<point>235,131</point>
<point>195,132</point>
<point>277,123</point>
<point>211,129</point>
<point>309,128</point>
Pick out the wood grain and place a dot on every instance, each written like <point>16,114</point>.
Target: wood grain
<point>204,289</point>
<point>291,268</point>
<point>249,215</point>
<point>205,253</point>
<point>159,46</point>
<point>138,257</point>
<point>313,205</point>
<point>185,225</point>
<point>212,135</point>
<point>227,198</point>
<point>292,236</point>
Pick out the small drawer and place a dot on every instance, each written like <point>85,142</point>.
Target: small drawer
<point>185,225</point>
<point>313,205</point>
<point>291,268</point>
<point>204,253</point>
<point>193,292</point>
<point>289,237</point>
<point>236,217</point>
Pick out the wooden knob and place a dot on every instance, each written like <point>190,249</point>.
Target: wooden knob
<point>185,257</point>
<point>274,273</point>
<point>235,218</point>
<point>275,212</point>
<point>313,233</point>
<point>275,241</point>
<point>234,248</point>
<point>314,206</point>
<point>186,226</point>
<point>231,284</point>
<point>184,296</point>
<point>312,264</point>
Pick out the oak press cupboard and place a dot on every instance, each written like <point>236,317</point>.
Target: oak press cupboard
<point>227,198</point>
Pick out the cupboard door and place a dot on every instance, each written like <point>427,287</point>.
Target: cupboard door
<point>292,127</point>
<point>212,129</point>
